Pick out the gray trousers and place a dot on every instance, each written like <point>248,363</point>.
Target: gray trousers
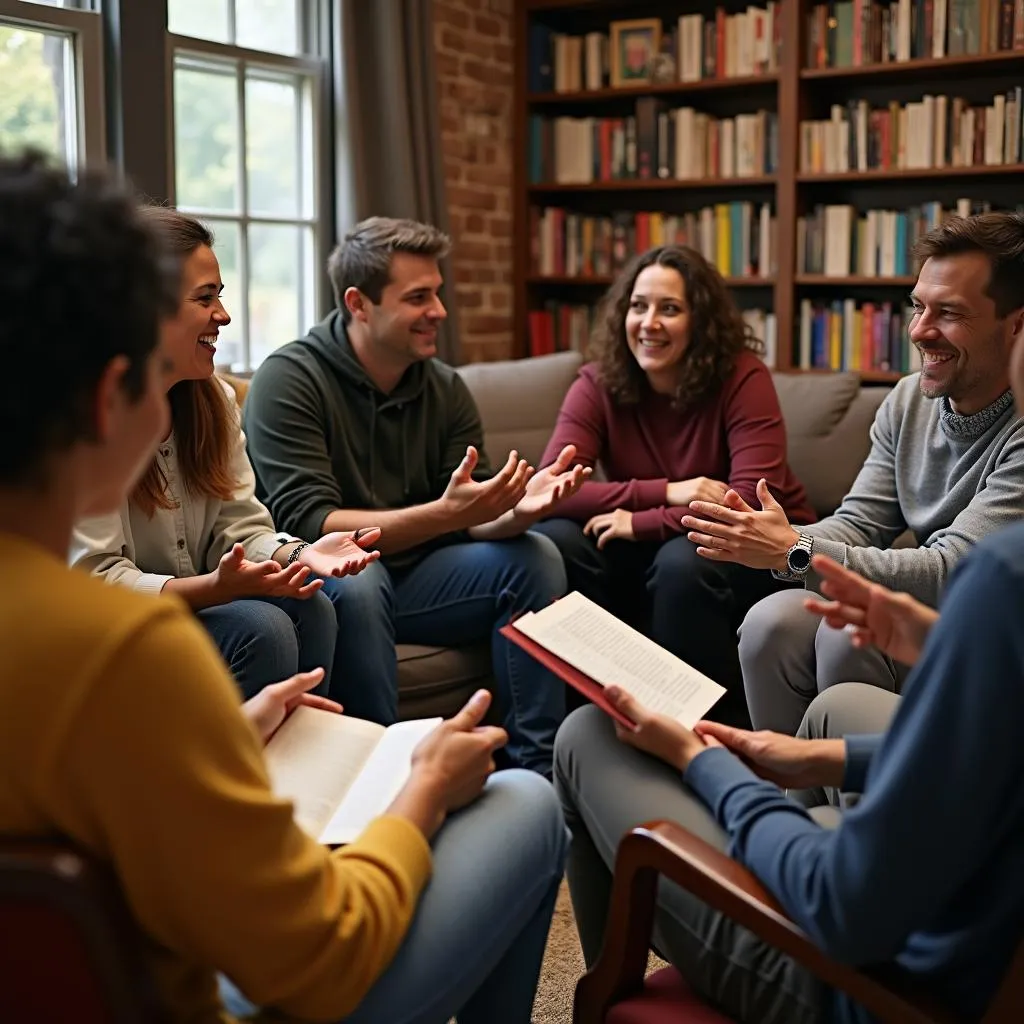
<point>607,788</point>
<point>789,656</point>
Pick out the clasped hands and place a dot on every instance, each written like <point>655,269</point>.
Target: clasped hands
<point>516,488</point>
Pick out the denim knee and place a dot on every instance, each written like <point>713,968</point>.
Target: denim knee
<point>538,563</point>
<point>361,599</point>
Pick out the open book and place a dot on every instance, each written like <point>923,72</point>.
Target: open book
<point>590,648</point>
<point>340,772</point>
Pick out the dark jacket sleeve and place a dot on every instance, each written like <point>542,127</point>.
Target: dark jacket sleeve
<point>286,427</point>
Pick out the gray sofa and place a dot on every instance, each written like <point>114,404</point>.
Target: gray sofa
<point>827,417</point>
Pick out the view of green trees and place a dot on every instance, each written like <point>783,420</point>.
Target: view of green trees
<point>213,151</point>
<point>32,99</point>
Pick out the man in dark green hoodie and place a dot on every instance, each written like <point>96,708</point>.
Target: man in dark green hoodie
<point>358,424</point>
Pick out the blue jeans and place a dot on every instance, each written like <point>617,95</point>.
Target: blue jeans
<point>474,948</point>
<point>267,639</point>
<point>456,596</point>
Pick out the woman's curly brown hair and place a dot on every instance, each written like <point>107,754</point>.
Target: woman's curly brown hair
<point>718,333</point>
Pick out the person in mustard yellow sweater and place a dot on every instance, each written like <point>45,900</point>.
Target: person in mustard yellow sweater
<point>120,728</point>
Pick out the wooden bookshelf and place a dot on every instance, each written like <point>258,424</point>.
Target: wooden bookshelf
<point>796,93</point>
<point>655,184</point>
<point>604,280</point>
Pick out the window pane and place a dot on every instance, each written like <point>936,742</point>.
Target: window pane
<point>37,100</point>
<point>268,25</point>
<point>272,146</point>
<point>206,139</point>
<point>202,19</point>
<point>227,245</point>
<point>279,262</point>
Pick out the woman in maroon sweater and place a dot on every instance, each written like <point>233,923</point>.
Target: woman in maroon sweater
<point>676,407</point>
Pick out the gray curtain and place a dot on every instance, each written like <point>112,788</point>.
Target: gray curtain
<point>388,126</point>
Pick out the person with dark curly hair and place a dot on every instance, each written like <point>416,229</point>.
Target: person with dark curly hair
<point>121,733</point>
<point>676,406</point>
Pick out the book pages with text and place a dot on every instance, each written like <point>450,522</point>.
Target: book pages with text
<point>594,641</point>
<point>385,772</point>
<point>314,758</point>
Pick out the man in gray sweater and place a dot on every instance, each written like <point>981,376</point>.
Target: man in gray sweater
<point>946,463</point>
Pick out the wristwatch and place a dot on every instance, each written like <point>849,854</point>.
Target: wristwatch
<point>798,559</point>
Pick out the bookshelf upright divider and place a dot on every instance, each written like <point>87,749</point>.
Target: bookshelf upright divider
<point>786,133</point>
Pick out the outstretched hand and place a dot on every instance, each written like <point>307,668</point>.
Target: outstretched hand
<point>897,624</point>
<point>274,703</point>
<point>469,503</point>
<point>235,577</point>
<point>547,487</point>
<point>341,554</point>
<point>735,532</point>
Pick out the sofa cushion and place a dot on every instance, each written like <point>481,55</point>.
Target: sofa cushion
<point>439,680</point>
<point>519,401</point>
<point>828,417</point>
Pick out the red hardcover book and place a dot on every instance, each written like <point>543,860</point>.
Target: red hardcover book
<point>593,691</point>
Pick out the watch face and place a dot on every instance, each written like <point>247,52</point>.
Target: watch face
<point>799,560</point>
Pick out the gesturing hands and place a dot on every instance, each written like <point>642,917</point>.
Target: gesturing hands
<point>896,624</point>
<point>553,484</point>
<point>341,554</point>
<point>450,766</point>
<point>606,526</point>
<point>735,532</point>
<point>472,503</point>
<point>273,704</point>
<point>235,577</point>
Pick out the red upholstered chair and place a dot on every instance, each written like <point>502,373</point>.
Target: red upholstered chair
<point>615,991</point>
<point>69,949</point>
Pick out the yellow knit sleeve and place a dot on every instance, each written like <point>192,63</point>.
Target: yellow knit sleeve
<point>164,778</point>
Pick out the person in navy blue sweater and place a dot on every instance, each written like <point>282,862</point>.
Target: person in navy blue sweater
<point>923,870</point>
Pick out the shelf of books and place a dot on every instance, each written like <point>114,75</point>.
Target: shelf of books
<point>801,147</point>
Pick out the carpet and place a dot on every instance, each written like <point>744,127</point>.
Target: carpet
<point>563,966</point>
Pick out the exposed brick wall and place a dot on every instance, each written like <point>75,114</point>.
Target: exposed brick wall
<point>474,64</point>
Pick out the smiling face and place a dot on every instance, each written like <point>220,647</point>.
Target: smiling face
<point>190,338</point>
<point>965,347</point>
<point>658,324</point>
<point>402,328</point>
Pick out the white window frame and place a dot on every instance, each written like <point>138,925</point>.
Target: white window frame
<point>237,61</point>
<point>85,29</point>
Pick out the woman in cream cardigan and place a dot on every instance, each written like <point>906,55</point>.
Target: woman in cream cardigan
<point>194,527</point>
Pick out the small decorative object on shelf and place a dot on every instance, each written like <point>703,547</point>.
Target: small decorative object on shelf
<point>634,46</point>
<point>805,180</point>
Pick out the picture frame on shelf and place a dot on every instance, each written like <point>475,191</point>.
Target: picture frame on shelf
<point>634,44</point>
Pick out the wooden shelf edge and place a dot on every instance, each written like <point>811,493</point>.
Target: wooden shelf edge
<point>856,280</point>
<point>652,89</point>
<point>596,281</point>
<point>652,184</point>
<point>909,174</point>
<point>908,67</point>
